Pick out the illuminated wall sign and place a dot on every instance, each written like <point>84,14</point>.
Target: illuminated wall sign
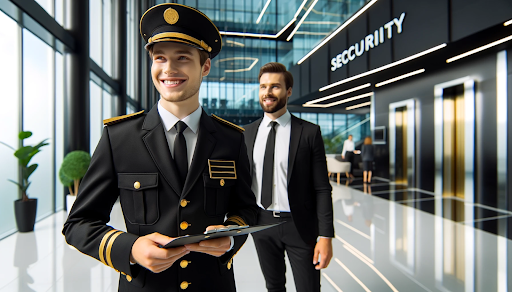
<point>369,42</point>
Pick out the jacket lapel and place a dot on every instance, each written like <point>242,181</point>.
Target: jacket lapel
<point>204,148</point>
<point>157,146</point>
<point>250,139</point>
<point>296,132</point>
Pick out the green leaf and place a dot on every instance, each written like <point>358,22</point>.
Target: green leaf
<point>41,144</point>
<point>16,183</point>
<point>31,169</point>
<point>24,135</point>
<point>24,152</point>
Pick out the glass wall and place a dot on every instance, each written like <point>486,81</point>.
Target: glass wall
<point>102,105</point>
<point>100,32</point>
<point>10,92</point>
<point>38,98</point>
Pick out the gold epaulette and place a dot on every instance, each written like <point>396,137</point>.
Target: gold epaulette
<point>240,129</point>
<point>115,120</point>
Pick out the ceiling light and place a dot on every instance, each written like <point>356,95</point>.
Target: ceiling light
<point>339,93</point>
<point>508,23</point>
<point>263,11</point>
<point>479,49</point>
<point>337,31</point>
<point>340,101</point>
<point>383,67</point>
<point>358,105</point>
<point>302,20</point>
<point>255,60</point>
<point>235,43</point>
<point>399,77</point>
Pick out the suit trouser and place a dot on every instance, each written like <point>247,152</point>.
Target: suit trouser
<point>271,245</point>
<point>349,155</point>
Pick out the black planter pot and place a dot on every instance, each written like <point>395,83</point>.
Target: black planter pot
<point>25,213</point>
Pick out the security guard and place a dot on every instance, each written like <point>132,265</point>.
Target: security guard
<point>176,171</point>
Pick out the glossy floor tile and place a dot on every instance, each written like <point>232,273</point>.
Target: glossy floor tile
<point>380,245</point>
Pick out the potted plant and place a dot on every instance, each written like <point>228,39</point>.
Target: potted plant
<point>73,168</point>
<point>25,208</point>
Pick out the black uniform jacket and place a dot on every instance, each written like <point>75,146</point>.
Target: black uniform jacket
<point>133,162</point>
<point>309,190</point>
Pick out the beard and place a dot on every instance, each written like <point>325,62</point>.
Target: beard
<point>281,102</point>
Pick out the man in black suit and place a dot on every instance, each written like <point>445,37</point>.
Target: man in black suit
<point>176,171</point>
<point>290,181</point>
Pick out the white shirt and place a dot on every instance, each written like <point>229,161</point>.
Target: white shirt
<point>190,133</point>
<point>281,153</point>
<point>348,145</point>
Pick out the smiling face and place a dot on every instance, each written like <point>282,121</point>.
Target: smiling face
<point>273,94</point>
<point>176,71</point>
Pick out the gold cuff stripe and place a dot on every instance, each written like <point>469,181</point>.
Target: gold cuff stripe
<point>102,245</point>
<point>180,35</point>
<point>238,220</point>
<point>109,248</point>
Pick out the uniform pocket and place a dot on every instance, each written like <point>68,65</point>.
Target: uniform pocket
<point>139,197</point>
<point>216,195</point>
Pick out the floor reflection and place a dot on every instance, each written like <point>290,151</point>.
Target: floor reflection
<point>25,254</point>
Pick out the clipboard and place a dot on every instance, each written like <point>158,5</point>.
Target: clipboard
<point>228,231</point>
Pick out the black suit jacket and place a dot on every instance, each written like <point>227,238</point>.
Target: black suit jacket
<point>132,162</point>
<point>309,190</point>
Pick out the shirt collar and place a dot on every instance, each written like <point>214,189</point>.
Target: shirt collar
<point>169,120</point>
<point>282,120</point>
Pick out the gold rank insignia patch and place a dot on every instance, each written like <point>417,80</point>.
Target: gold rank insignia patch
<point>222,169</point>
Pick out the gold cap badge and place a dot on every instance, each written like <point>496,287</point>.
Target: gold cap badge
<point>171,16</point>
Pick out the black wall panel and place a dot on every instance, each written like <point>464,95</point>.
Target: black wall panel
<point>296,94</point>
<point>336,46</point>
<point>320,67</point>
<point>471,16</point>
<point>358,30</point>
<point>304,78</point>
<point>425,26</point>
<point>378,15</point>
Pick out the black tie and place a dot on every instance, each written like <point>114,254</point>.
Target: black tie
<point>268,168</point>
<point>180,151</point>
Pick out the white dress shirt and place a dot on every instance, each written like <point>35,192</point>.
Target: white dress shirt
<point>190,133</point>
<point>281,153</point>
<point>348,145</point>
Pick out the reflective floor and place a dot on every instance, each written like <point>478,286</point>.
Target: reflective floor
<point>388,238</point>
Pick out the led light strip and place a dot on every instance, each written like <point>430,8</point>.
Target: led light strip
<point>358,105</point>
<point>508,23</point>
<point>302,20</point>
<point>263,11</point>
<point>337,31</point>
<point>332,282</point>
<point>399,77</point>
<point>479,49</point>
<point>384,67</point>
<point>352,275</point>
<point>269,36</point>
<point>339,102</point>
<point>339,93</point>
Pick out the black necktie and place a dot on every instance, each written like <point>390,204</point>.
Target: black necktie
<point>268,168</point>
<point>180,151</point>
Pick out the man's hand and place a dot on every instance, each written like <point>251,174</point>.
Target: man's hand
<point>215,247</point>
<point>145,252</point>
<point>323,248</point>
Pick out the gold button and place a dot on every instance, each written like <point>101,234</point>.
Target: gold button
<point>230,263</point>
<point>222,182</point>
<point>184,263</point>
<point>128,278</point>
<point>184,285</point>
<point>184,203</point>
<point>184,225</point>
<point>136,185</point>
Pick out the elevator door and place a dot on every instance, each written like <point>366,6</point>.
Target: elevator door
<point>453,142</point>
<point>401,145</point>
